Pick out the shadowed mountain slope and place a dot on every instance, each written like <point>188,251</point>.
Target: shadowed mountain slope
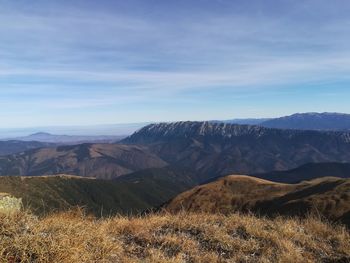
<point>174,180</point>
<point>328,196</point>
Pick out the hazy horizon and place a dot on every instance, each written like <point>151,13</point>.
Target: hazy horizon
<point>116,129</point>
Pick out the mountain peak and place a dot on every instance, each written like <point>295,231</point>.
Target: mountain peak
<point>194,129</point>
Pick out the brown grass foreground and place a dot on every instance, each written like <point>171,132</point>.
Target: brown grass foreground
<point>73,237</point>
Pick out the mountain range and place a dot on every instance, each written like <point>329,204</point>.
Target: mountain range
<point>303,121</point>
<point>208,149</point>
<point>295,171</point>
<point>220,149</point>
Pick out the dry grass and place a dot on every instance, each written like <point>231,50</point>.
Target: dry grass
<point>73,237</point>
<point>327,196</point>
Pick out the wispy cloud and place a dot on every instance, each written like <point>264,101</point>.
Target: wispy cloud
<point>92,58</point>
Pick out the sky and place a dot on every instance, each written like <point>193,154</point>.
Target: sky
<point>84,62</point>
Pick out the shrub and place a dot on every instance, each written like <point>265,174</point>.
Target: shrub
<point>9,204</point>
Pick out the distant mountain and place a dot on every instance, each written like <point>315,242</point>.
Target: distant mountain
<point>69,139</point>
<point>311,121</point>
<point>250,121</point>
<point>45,194</point>
<point>217,149</point>
<point>308,172</point>
<point>328,196</point>
<point>105,161</point>
<point>300,121</point>
<point>121,129</point>
<point>15,146</point>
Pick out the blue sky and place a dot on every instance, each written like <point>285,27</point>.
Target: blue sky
<point>83,62</point>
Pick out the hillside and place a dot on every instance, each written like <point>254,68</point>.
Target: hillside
<point>73,237</point>
<point>326,196</point>
<point>47,194</point>
<point>217,149</point>
<point>15,146</point>
<point>311,121</point>
<point>166,181</point>
<point>131,194</point>
<point>105,161</point>
<point>308,172</point>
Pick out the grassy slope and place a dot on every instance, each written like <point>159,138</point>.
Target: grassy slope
<point>45,194</point>
<point>72,237</point>
<point>327,196</point>
<point>134,194</point>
